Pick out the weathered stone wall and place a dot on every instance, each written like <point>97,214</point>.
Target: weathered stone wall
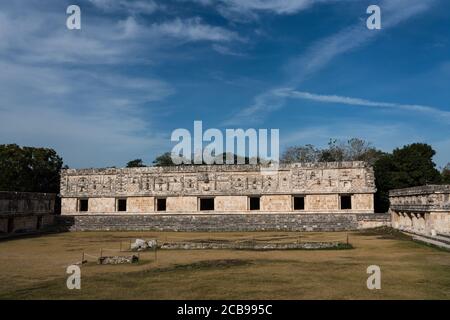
<point>23,212</point>
<point>424,209</point>
<point>276,203</point>
<point>230,185</point>
<point>231,203</point>
<point>69,205</point>
<point>221,222</point>
<point>25,223</point>
<point>140,204</point>
<point>363,202</point>
<point>26,202</point>
<point>324,202</point>
<point>180,204</point>
<point>102,205</point>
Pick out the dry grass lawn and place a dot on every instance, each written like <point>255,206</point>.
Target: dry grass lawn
<point>34,268</point>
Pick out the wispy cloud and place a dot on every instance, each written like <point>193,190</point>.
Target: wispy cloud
<point>78,98</point>
<point>322,52</point>
<point>130,6</point>
<point>193,29</point>
<point>325,50</point>
<point>227,50</point>
<point>432,111</point>
<point>248,10</point>
<point>90,127</point>
<point>60,88</point>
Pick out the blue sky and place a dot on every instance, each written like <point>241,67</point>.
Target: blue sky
<point>116,89</point>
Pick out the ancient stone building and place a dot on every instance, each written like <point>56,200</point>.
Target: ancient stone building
<point>23,212</point>
<point>424,209</point>
<point>300,196</point>
<point>307,188</point>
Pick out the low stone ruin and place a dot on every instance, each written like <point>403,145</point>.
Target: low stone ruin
<point>249,245</point>
<point>118,259</point>
<point>141,245</point>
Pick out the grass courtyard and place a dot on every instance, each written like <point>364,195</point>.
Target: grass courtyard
<point>35,268</point>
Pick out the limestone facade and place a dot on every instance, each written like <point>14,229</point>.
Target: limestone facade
<point>24,212</point>
<point>424,209</point>
<point>332,187</point>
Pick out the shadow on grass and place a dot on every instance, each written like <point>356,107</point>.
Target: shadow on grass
<point>384,233</point>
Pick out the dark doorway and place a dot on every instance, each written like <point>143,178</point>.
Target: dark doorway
<point>161,204</point>
<point>122,205</point>
<point>346,202</point>
<point>206,204</point>
<point>39,223</point>
<point>299,203</point>
<point>10,225</point>
<point>254,203</point>
<point>84,205</point>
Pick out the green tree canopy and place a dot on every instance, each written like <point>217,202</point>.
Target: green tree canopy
<point>409,166</point>
<point>163,160</point>
<point>354,149</point>
<point>446,174</point>
<point>29,169</point>
<point>136,163</point>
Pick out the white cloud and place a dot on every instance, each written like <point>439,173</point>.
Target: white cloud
<point>194,29</point>
<point>325,50</point>
<point>227,51</point>
<point>276,6</point>
<point>133,7</point>
<point>245,10</point>
<point>67,89</point>
<point>432,111</point>
<point>53,107</point>
<point>322,52</point>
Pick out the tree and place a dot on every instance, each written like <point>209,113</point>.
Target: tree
<point>334,152</point>
<point>406,167</point>
<point>163,160</point>
<point>307,153</point>
<point>29,169</point>
<point>446,174</point>
<point>354,149</point>
<point>136,163</point>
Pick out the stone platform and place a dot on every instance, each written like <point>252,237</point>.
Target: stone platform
<point>223,222</point>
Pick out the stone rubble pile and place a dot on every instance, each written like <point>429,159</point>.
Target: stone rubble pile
<point>118,259</point>
<point>141,245</point>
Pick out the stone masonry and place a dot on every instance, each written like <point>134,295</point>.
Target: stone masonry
<point>224,222</point>
<point>331,196</point>
<point>23,212</point>
<point>424,209</point>
<point>229,188</point>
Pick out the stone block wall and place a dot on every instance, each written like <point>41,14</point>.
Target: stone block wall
<point>180,204</point>
<point>231,203</point>
<point>321,203</point>
<point>140,204</point>
<point>276,203</point>
<point>22,212</point>
<point>221,222</point>
<point>26,202</point>
<point>231,186</point>
<point>424,209</point>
